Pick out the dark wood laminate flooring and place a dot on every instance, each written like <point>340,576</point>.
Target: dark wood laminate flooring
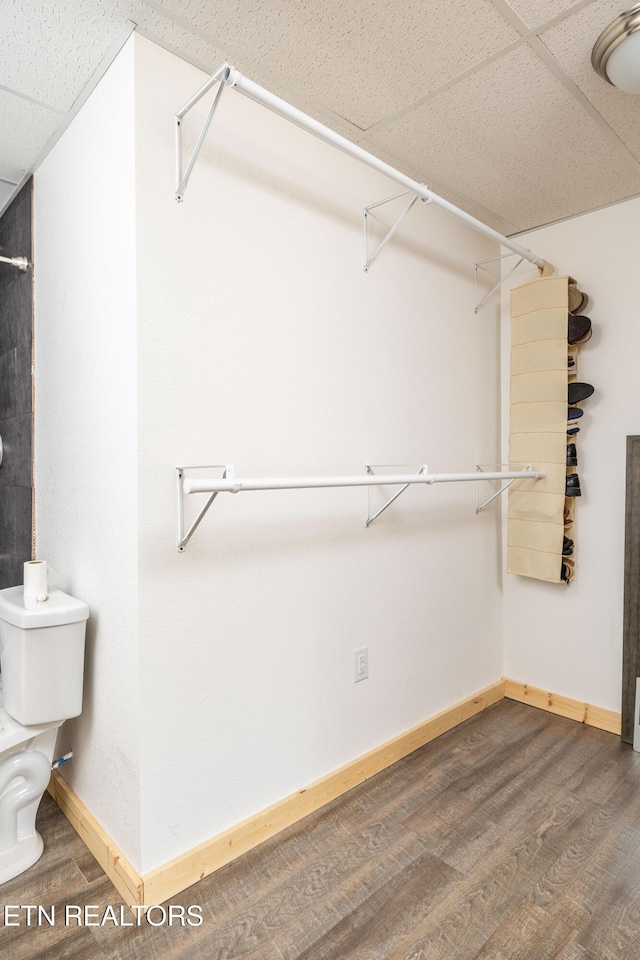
<point>517,835</point>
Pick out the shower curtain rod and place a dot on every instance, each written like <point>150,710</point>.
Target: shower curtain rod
<point>228,76</point>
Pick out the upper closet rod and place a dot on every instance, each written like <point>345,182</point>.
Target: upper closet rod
<point>229,76</point>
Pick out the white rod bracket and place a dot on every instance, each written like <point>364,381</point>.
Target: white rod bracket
<point>370,468</point>
<point>183,538</point>
<point>222,76</point>
<point>478,306</point>
<point>480,468</point>
<point>368,260</point>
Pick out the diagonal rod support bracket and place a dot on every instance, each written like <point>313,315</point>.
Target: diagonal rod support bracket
<point>368,260</point>
<point>369,517</point>
<point>481,506</point>
<point>183,538</point>
<point>221,76</point>
<point>481,263</point>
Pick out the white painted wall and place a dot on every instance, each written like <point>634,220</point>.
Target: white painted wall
<point>86,429</point>
<point>569,639</point>
<point>262,343</point>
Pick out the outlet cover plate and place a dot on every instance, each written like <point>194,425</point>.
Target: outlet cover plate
<point>361,664</point>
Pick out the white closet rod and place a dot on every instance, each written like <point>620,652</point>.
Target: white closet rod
<point>231,77</point>
<point>293,483</point>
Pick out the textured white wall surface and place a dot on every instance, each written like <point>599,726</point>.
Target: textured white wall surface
<point>569,638</point>
<point>264,344</point>
<point>85,431</point>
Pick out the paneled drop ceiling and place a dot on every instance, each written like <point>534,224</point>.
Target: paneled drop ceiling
<point>494,105</point>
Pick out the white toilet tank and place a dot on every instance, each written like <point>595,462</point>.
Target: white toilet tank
<point>42,656</point>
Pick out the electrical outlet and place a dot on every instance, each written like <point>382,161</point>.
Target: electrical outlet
<point>361,663</point>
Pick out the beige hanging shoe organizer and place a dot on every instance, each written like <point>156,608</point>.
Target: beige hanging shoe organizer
<point>540,514</point>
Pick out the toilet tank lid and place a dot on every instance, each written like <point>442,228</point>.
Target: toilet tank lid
<point>58,609</point>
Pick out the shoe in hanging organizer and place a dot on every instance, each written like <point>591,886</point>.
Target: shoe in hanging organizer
<point>579,329</point>
<point>567,547</point>
<point>571,431</point>
<point>574,413</point>
<point>572,486</point>
<point>572,455</point>
<point>566,573</point>
<point>579,391</point>
<point>578,301</point>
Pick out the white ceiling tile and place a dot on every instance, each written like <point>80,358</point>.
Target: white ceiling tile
<point>49,50</point>
<point>362,60</point>
<point>470,205</point>
<point>443,189</point>
<point>536,12</point>
<point>6,192</point>
<point>512,137</point>
<point>571,42</point>
<point>175,36</point>
<point>26,127</point>
<point>51,53</point>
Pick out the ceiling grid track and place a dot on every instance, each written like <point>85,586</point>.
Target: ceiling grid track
<point>532,38</point>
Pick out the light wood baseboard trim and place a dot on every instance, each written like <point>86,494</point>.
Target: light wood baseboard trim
<point>598,717</point>
<point>122,875</point>
<point>167,881</point>
<point>171,879</point>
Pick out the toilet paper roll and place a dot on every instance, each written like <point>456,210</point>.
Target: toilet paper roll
<point>35,579</point>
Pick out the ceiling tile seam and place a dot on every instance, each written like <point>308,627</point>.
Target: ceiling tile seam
<point>231,54</point>
<point>515,21</point>
<point>415,104</point>
<point>446,187</point>
<point>575,216</point>
<point>34,100</point>
<point>522,27</point>
<point>547,58</point>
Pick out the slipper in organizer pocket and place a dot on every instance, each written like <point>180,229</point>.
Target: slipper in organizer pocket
<point>579,329</point>
<point>579,391</point>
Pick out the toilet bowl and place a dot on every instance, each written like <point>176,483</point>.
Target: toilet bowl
<point>41,673</point>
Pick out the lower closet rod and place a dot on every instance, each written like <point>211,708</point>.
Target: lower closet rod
<point>292,483</point>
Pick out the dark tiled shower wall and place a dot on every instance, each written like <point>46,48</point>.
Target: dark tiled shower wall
<point>16,332</point>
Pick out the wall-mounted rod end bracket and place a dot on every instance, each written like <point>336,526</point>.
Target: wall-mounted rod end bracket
<point>182,489</point>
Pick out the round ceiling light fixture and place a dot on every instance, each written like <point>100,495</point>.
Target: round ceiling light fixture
<point>616,54</point>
